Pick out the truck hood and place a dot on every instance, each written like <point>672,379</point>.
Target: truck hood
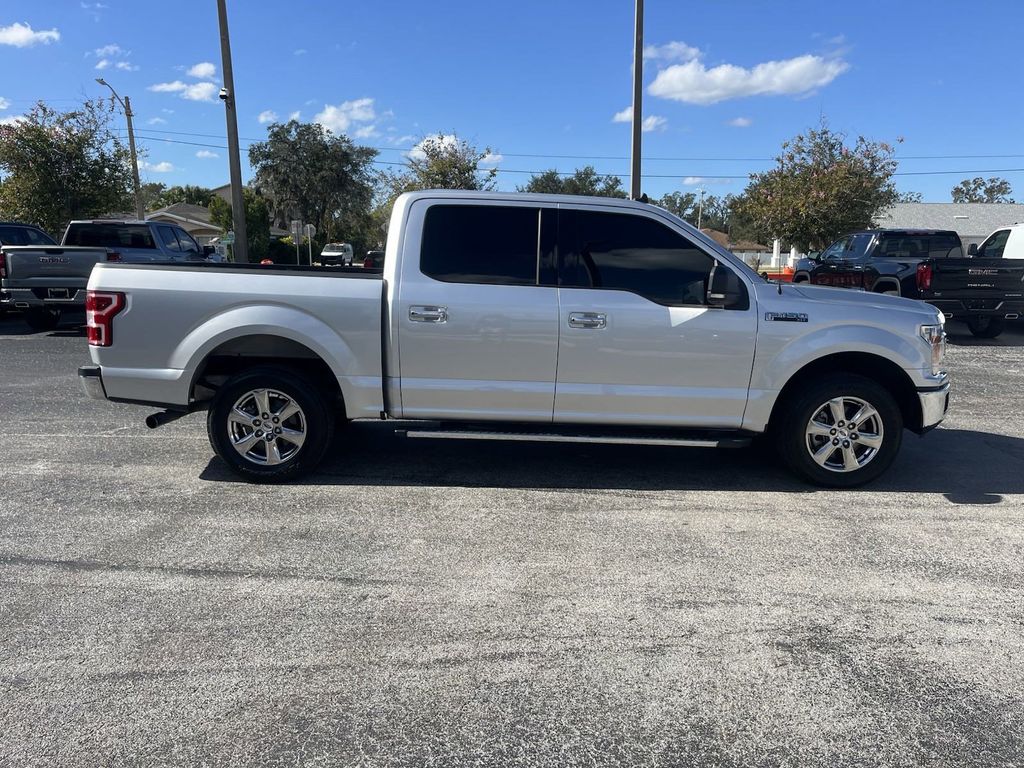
<point>863,301</point>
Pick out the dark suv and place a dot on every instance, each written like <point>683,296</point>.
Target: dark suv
<point>878,260</point>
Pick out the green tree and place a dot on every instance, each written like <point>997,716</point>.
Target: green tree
<point>58,166</point>
<point>186,194</point>
<point>909,197</point>
<point>679,203</point>
<point>978,190</point>
<point>443,162</point>
<point>307,173</point>
<point>151,192</point>
<point>257,221</point>
<point>583,181</point>
<point>820,188</point>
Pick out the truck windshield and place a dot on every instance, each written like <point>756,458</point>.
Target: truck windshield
<point>113,235</point>
<point>12,235</point>
<point>995,245</point>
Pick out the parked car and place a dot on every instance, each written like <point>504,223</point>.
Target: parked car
<point>374,260</point>
<point>45,280</point>
<point>336,255</point>
<point>16,233</point>
<point>522,317</point>
<point>985,289</point>
<point>879,260</point>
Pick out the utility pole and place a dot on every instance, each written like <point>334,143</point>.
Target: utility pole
<point>700,207</point>
<point>638,91</point>
<point>126,105</point>
<point>227,94</point>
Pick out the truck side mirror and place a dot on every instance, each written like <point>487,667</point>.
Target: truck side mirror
<point>725,289</point>
<point>972,249</point>
<point>209,250</point>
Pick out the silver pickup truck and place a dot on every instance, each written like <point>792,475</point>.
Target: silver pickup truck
<point>522,317</point>
<point>44,279</point>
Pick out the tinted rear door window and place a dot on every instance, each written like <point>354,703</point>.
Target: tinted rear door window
<point>626,252</point>
<point>944,246</point>
<point>487,244</point>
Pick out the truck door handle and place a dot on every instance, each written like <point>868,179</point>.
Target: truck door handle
<point>596,320</point>
<point>428,314</point>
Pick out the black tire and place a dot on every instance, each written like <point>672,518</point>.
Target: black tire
<point>794,441</point>
<point>986,327</point>
<point>256,466</point>
<point>42,318</point>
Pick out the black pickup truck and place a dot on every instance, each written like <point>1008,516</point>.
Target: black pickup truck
<point>878,260</point>
<point>984,290</point>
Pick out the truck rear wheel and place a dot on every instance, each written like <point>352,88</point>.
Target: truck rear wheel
<point>986,327</point>
<point>42,318</point>
<point>840,432</point>
<point>270,425</point>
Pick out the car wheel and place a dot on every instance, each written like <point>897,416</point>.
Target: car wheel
<point>840,432</point>
<point>42,318</point>
<point>986,327</point>
<point>270,425</point>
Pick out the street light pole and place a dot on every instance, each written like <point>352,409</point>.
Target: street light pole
<point>700,207</point>
<point>126,105</point>
<point>241,247</point>
<point>638,85</point>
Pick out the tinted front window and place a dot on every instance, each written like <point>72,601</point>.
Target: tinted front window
<point>110,236</point>
<point>995,245</point>
<point>187,243</point>
<point>836,250</point>
<point>168,238</point>
<point>624,252</point>
<point>11,235</point>
<point>857,246</point>
<point>480,244</point>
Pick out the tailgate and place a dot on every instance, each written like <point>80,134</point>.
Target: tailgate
<point>982,280</point>
<point>27,263</point>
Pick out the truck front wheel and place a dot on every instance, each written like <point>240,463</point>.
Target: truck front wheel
<point>841,431</point>
<point>986,327</point>
<point>270,425</point>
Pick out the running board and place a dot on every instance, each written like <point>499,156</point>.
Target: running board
<point>704,440</point>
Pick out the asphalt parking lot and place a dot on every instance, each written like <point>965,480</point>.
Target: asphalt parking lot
<point>459,603</point>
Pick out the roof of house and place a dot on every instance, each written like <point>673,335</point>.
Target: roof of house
<point>197,216</point>
<point>968,219</point>
<point>741,245</point>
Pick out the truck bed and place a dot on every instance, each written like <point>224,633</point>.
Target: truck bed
<point>176,315</point>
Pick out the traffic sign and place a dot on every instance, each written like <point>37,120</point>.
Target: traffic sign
<point>310,230</point>
<point>296,229</point>
<point>229,238</point>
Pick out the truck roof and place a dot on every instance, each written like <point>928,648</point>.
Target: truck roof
<point>904,231</point>
<point>467,194</point>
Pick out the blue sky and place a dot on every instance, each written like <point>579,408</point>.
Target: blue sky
<point>726,82</point>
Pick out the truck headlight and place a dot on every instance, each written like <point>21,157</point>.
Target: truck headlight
<point>935,337</point>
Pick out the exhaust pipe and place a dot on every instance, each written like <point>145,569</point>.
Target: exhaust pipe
<point>163,417</point>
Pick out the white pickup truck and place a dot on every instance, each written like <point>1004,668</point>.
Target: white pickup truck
<point>525,317</point>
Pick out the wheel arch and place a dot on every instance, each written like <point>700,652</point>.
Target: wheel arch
<point>875,367</point>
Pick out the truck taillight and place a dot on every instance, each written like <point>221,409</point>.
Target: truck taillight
<point>3,265</point>
<point>924,277</point>
<point>113,256</point>
<point>100,309</point>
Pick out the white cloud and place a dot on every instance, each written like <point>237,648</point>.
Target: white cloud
<point>492,158</point>
<point>365,132</point>
<point>741,122</point>
<point>109,50</point>
<point>162,167</point>
<point>4,103</point>
<point>192,92</point>
<point>156,121</point>
<point>102,64</point>
<point>23,36</point>
<point>11,119</point>
<point>698,181</point>
<point>127,66</point>
<point>206,154</point>
<point>267,116</point>
<point>624,116</point>
<point>337,119</point>
<point>694,83</point>
<point>654,123</point>
<point>294,115</point>
<point>204,70</point>
<point>404,139</point>
<point>674,51</point>
<point>444,139</point>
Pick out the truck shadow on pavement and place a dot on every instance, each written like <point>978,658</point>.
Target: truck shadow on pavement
<point>958,335</point>
<point>967,467</point>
